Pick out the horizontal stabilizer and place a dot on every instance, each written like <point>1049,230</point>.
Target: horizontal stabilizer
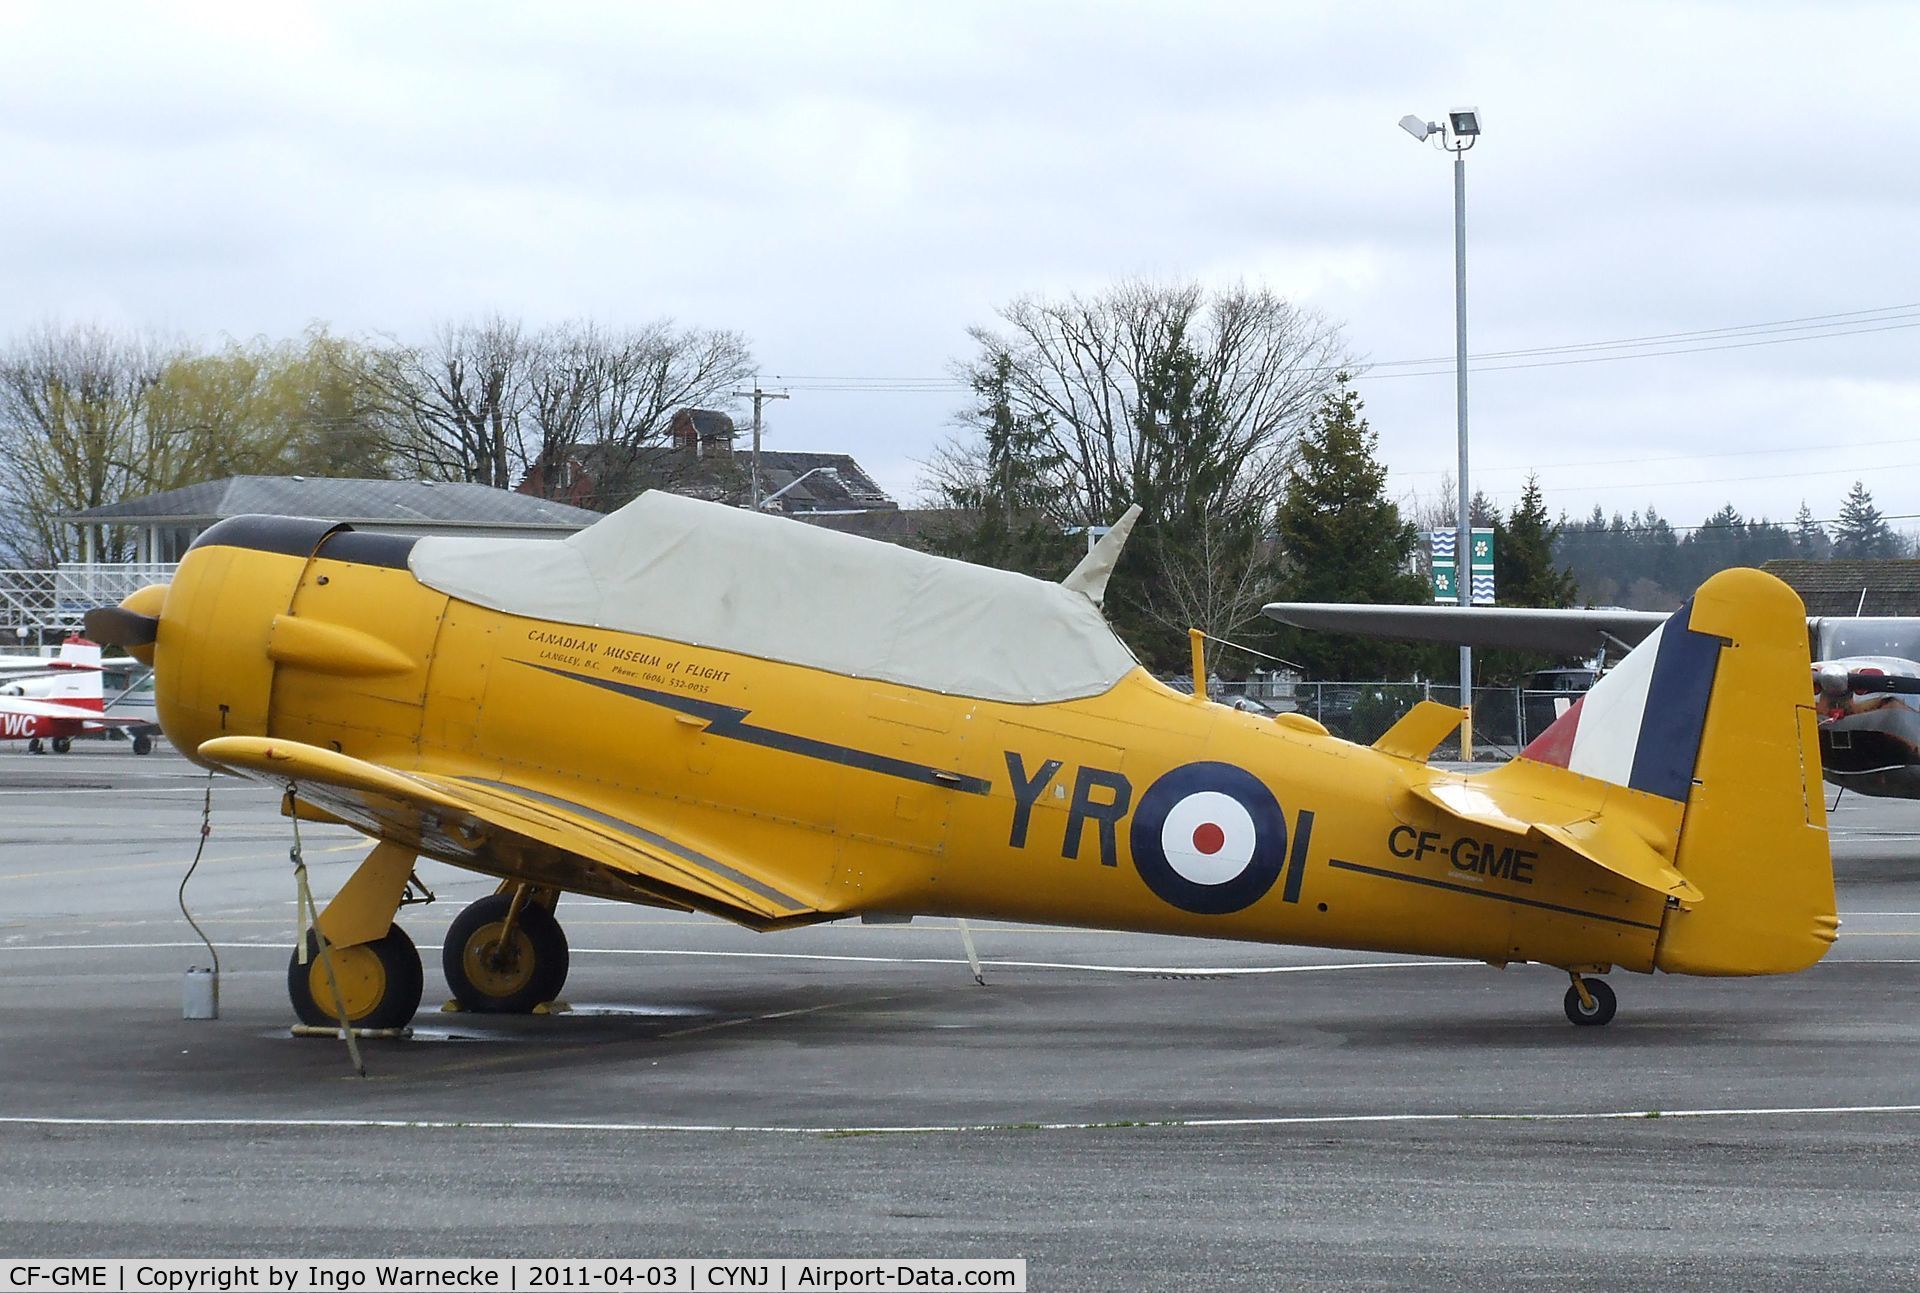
<point>1419,730</point>
<point>1622,853</point>
<point>495,826</point>
<point>1578,827</point>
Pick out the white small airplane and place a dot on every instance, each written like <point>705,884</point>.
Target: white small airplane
<point>1866,672</point>
<point>50,701</point>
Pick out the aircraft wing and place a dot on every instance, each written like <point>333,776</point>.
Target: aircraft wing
<point>69,713</point>
<point>516,830</point>
<point>1568,632</point>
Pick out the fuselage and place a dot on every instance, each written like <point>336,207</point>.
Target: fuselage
<point>1137,808</point>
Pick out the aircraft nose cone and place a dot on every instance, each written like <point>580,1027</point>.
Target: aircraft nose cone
<point>1832,679</point>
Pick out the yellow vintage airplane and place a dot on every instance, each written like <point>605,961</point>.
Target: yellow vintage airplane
<point>698,708</point>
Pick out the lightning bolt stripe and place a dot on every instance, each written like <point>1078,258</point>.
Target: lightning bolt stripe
<point>729,722</point>
<point>1483,893</point>
<point>646,836</point>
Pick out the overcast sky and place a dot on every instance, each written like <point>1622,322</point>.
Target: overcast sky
<point>852,186</point>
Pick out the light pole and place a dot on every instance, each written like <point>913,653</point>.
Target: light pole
<point>1461,132</point>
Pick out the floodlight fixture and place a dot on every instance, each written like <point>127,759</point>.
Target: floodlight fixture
<point>1418,127</point>
<point>1464,122</point>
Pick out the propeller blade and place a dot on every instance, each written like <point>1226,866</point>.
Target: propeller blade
<point>117,626</point>
<point>1864,684</point>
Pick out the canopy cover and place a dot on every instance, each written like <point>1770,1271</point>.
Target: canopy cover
<point>709,575</point>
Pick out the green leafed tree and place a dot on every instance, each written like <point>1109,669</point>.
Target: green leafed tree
<point>1342,540</point>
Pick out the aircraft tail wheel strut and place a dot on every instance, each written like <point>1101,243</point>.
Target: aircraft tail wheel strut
<point>309,918</point>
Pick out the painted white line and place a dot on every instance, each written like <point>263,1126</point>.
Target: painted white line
<point>1278,1120</point>
<point>1032,965</point>
<point>1210,970</point>
<point>132,791</point>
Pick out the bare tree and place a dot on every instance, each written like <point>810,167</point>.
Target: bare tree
<point>1183,401</point>
<point>452,407</point>
<point>72,431</point>
<point>617,393</point>
<point>1162,394</point>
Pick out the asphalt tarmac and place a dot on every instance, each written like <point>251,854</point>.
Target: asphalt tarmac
<point>1122,1111</point>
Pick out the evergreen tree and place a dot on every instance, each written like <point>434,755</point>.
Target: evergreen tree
<point>997,489</point>
<point>1810,538</point>
<point>1861,531</point>
<point>1525,573</point>
<point>1342,540</point>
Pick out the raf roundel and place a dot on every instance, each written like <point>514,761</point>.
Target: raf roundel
<point>1209,838</point>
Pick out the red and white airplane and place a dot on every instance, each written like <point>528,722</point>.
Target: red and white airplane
<point>49,702</point>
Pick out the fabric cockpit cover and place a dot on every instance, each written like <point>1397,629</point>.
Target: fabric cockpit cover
<point>707,575</point>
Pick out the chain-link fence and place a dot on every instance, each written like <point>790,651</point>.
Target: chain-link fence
<point>1505,719</point>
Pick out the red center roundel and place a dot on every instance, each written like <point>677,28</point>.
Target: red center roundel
<point>1208,837</point>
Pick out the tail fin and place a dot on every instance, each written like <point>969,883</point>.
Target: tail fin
<point>1714,712</point>
<point>76,673</point>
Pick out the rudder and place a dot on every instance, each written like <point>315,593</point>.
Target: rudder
<point>1754,837</point>
<point>1711,721</point>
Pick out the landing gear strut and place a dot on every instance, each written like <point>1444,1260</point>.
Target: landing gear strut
<point>376,967</point>
<point>506,954</point>
<point>1590,1002</point>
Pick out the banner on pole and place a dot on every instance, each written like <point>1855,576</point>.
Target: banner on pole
<point>1446,567</point>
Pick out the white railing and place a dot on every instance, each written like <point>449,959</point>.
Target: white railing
<point>57,598</point>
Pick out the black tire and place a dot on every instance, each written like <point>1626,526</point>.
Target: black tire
<point>62,744</point>
<point>34,746</point>
<point>381,982</point>
<point>142,743</point>
<point>1604,1004</point>
<point>534,972</point>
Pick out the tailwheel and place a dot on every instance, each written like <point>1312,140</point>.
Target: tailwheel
<point>380,982</point>
<point>1593,1008</point>
<point>504,955</point>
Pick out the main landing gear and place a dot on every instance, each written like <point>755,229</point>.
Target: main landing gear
<point>379,982</point>
<point>1590,1002</point>
<point>504,954</point>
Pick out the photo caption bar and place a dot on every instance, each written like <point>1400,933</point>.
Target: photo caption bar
<point>569,1275</point>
